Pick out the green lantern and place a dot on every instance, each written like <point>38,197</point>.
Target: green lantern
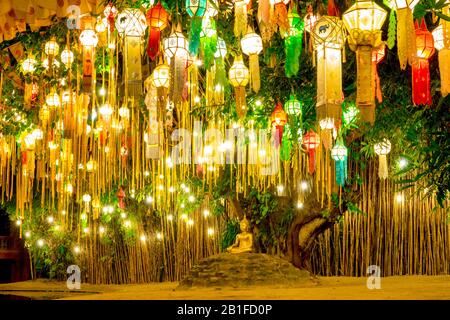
<point>293,106</point>
<point>196,10</point>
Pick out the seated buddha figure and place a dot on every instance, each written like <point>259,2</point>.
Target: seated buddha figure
<point>244,239</point>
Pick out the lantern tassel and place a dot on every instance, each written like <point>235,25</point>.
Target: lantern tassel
<point>444,70</point>
<point>293,46</point>
<point>421,82</point>
<point>281,18</point>
<point>382,168</point>
<point>312,160</point>
<point>194,35</point>
<point>241,104</point>
<point>264,11</point>
<point>240,16</point>
<point>341,171</point>
<point>254,72</point>
<point>153,43</point>
<point>403,30</point>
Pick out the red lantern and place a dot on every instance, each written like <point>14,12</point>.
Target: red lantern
<point>157,20</point>
<point>311,140</point>
<point>377,57</point>
<point>420,69</point>
<point>121,196</point>
<point>278,119</point>
<point>110,13</point>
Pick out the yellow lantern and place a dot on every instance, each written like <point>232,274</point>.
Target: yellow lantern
<point>328,35</point>
<point>239,78</point>
<point>382,149</point>
<point>363,21</point>
<point>131,24</point>
<point>441,36</point>
<point>252,46</point>
<point>29,65</point>
<point>51,47</point>
<point>176,50</point>
<point>52,99</point>
<point>67,57</point>
<point>89,40</point>
<point>161,76</point>
<point>405,30</point>
<point>240,17</point>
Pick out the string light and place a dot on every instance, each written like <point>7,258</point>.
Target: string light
<point>77,249</point>
<point>304,185</point>
<point>40,243</point>
<point>402,163</point>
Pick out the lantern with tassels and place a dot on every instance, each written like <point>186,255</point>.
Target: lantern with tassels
<point>293,107</point>
<point>51,49</point>
<point>441,36</point>
<point>67,57</point>
<point>176,49</point>
<point>328,34</point>
<point>208,41</point>
<point>196,9</point>
<point>131,24</point>
<point>278,119</point>
<point>89,40</point>
<point>377,57</point>
<point>405,30</point>
<point>220,74</point>
<point>252,46</point>
<point>157,20</point>
<point>382,149</point>
<point>120,197</point>
<point>28,66</point>
<point>293,43</point>
<point>309,20</point>
<point>239,78</point>
<point>363,21</point>
<point>311,141</point>
<point>110,13</point>
<point>280,16</point>
<point>240,17</point>
<point>339,154</point>
<point>420,67</point>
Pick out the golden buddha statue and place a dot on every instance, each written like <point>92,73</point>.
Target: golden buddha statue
<point>244,239</point>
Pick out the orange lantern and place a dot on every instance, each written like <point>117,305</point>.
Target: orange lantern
<point>278,119</point>
<point>157,20</point>
<point>377,57</point>
<point>420,68</point>
<point>311,141</point>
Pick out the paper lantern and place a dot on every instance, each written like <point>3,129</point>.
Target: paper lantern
<point>212,8</point>
<point>310,19</point>
<point>293,43</point>
<point>363,21</point>
<point>328,35</point>
<point>52,99</point>
<point>131,24</point>
<point>176,49</point>
<point>278,119</point>
<point>157,20</point>
<point>405,30</point>
<point>176,45</point>
<point>221,48</point>
<point>382,149</point>
<point>29,65</point>
<point>252,46</point>
<point>441,36</point>
<point>161,76</point>
<point>196,9</point>
<point>281,16</point>
<point>46,65</point>
<point>67,57</point>
<point>51,47</point>
<point>110,13</point>
<point>339,154</point>
<point>377,57</point>
<point>350,113</point>
<point>240,17</point>
<point>239,78</point>
<point>311,141</point>
<point>420,67</point>
<point>293,107</point>
<point>89,40</point>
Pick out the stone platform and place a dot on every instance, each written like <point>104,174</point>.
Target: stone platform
<point>245,269</point>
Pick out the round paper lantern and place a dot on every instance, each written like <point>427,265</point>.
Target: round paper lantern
<point>161,76</point>
<point>67,57</point>
<point>51,47</point>
<point>382,149</point>
<point>221,51</point>
<point>88,38</point>
<point>29,65</point>
<point>239,77</point>
<point>176,45</point>
<point>252,45</point>
<point>293,106</point>
<point>311,141</point>
<point>131,22</point>
<point>278,118</point>
<point>157,20</point>
<point>52,99</point>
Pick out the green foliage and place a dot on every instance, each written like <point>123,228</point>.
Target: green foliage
<point>229,234</point>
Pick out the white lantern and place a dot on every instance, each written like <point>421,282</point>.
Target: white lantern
<point>67,57</point>
<point>29,65</point>
<point>131,22</point>
<point>52,99</point>
<point>221,51</point>
<point>176,45</point>
<point>161,76</point>
<point>88,38</point>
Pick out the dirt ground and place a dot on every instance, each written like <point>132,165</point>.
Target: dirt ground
<point>329,288</point>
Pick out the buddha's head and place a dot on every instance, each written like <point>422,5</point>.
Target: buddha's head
<point>244,224</point>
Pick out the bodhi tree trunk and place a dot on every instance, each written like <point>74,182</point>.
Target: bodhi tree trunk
<point>313,221</point>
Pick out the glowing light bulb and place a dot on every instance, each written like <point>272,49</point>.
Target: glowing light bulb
<point>86,230</point>
<point>299,205</point>
<point>171,189</point>
<point>280,188</point>
<point>399,198</point>
<point>27,234</point>
<point>184,216</point>
<point>102,91</point>
<point>210,232</point>
<point>19,222</point>
<point>304,185</point>
<point>123,215</point>
<point>40,243</point>
<point>191,198</point>
<point>159,236</point>
<point>101,229</point>
<point>190,222</point>
<point>77,249</point>
<point>127,223</point>
<point>170,217</point>
<point>50,219</point>
<point>258,103</point>
<point>149,199</point>
<point>402,163</point>
<point>206,213</point>
<point>143,238</point>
